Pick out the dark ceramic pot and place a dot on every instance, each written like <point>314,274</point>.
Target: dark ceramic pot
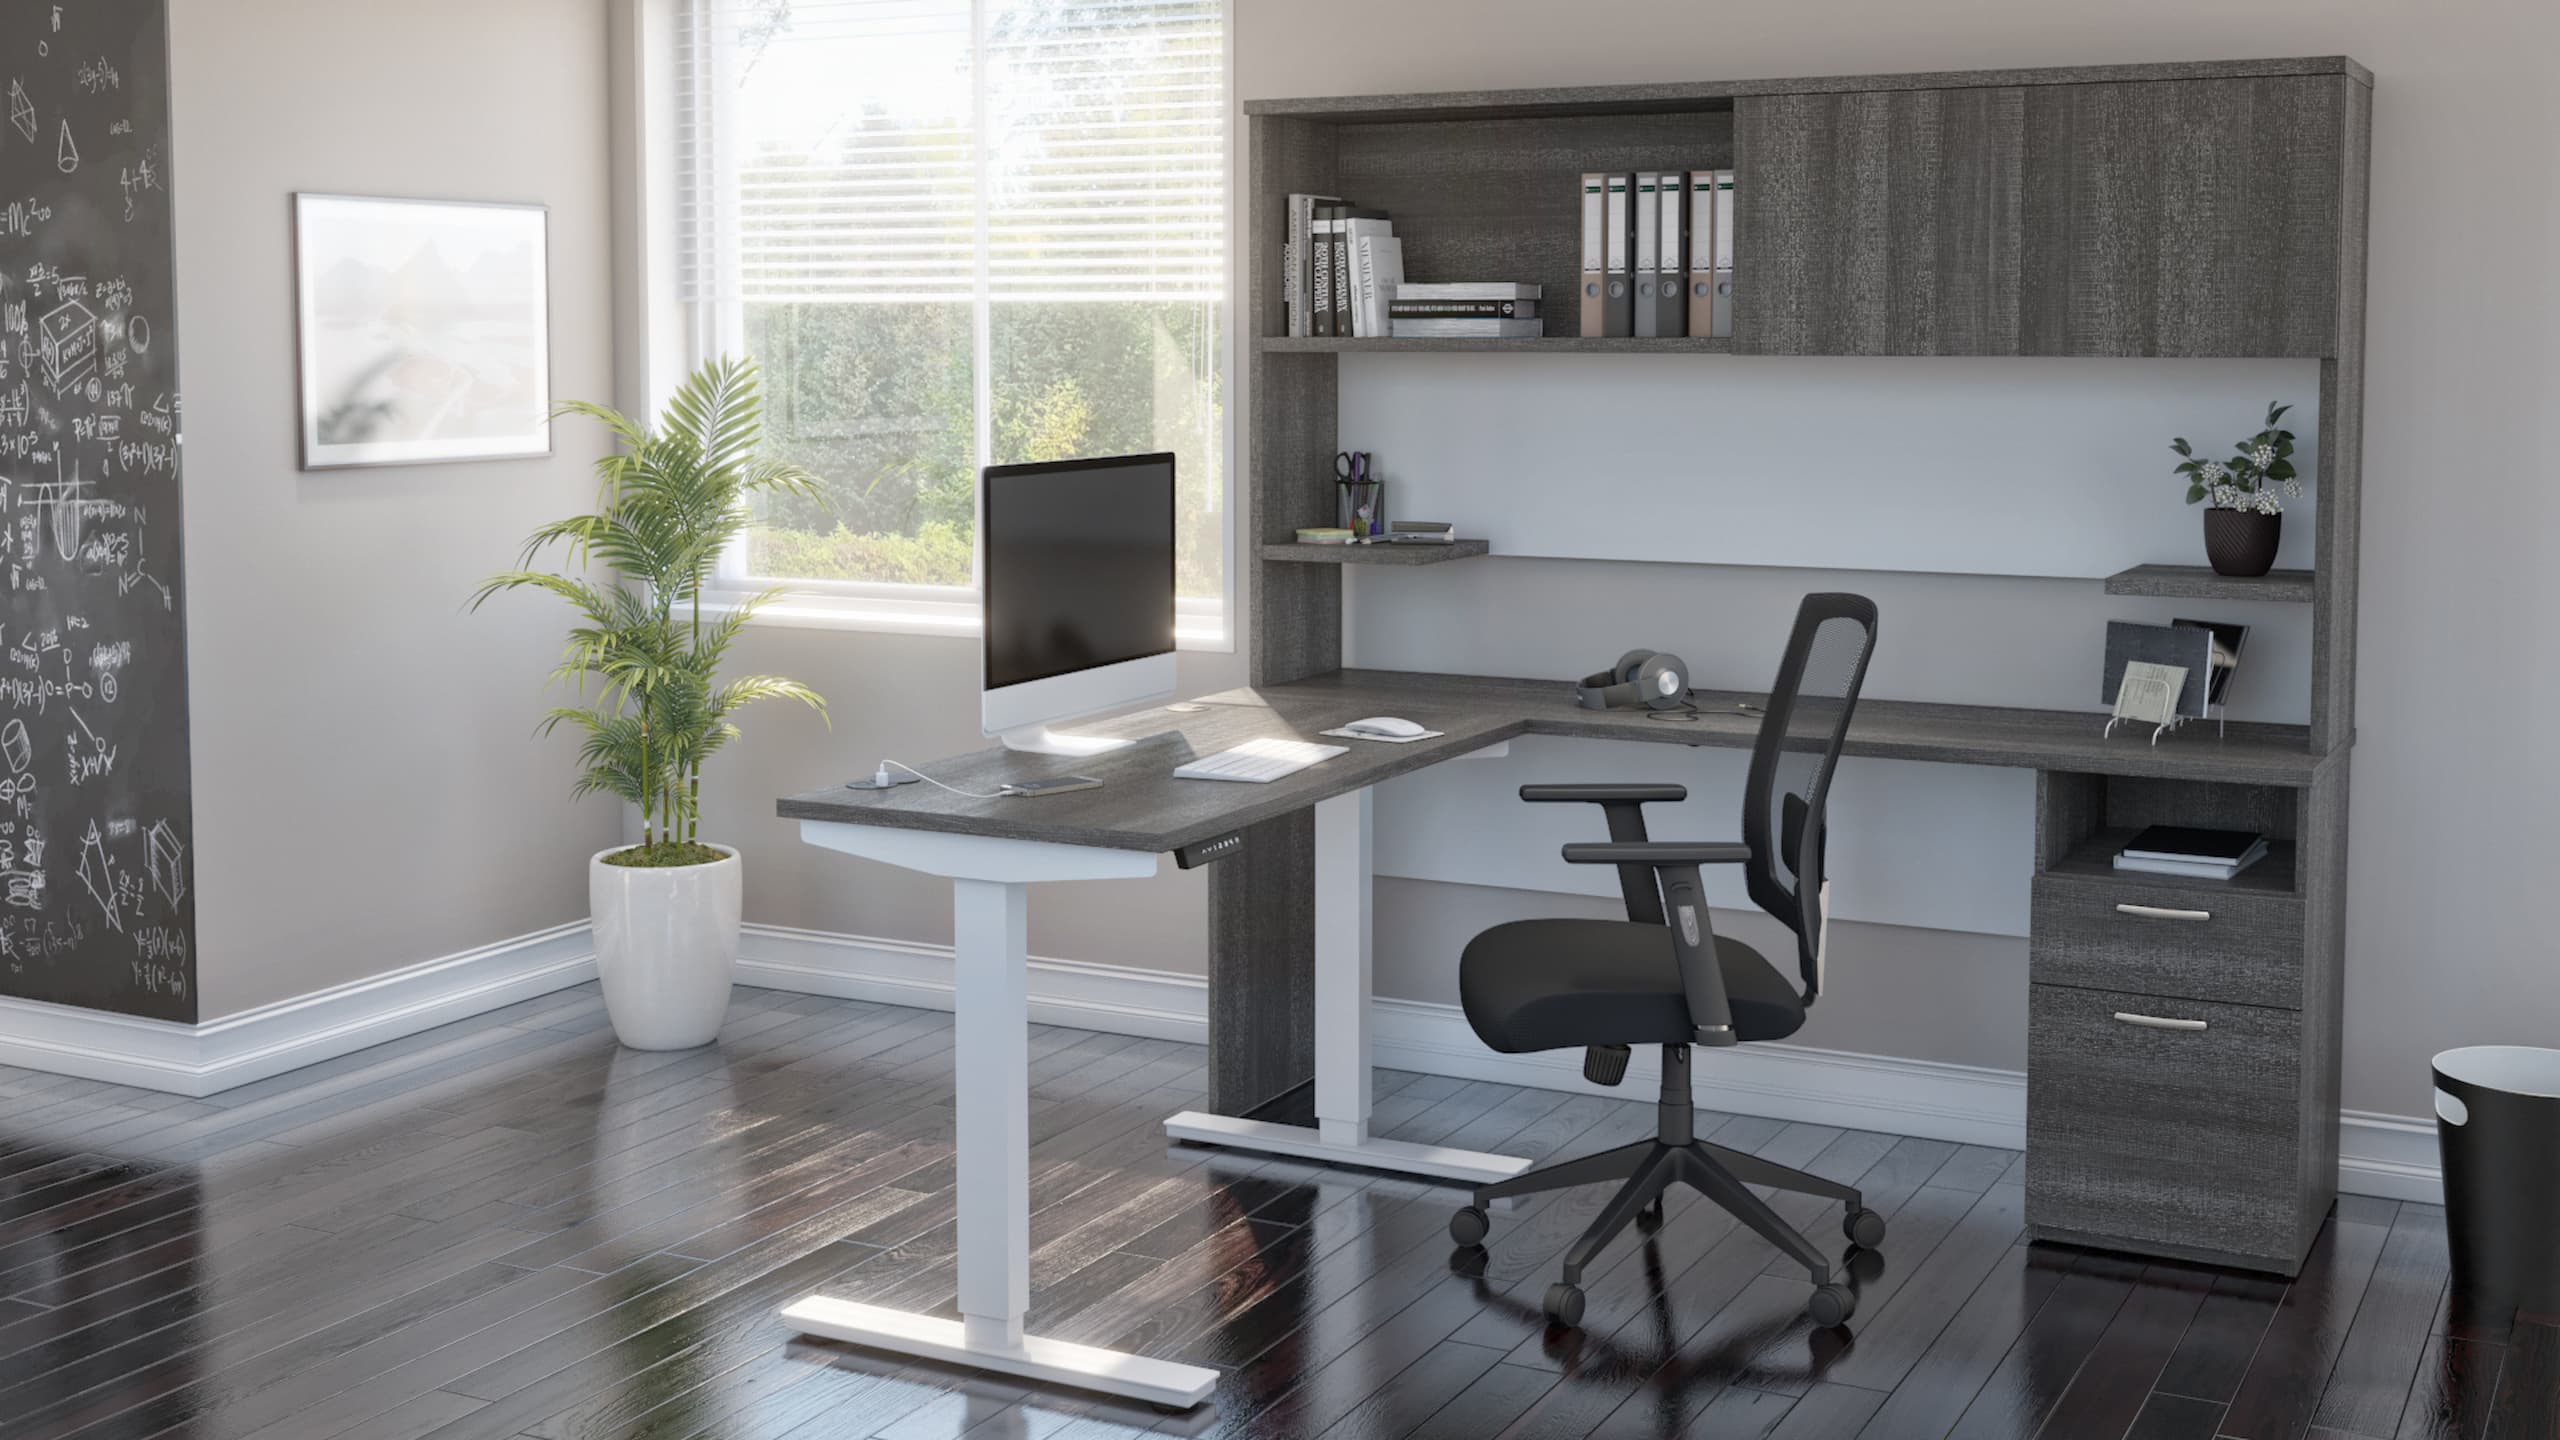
<point>2241,543</point>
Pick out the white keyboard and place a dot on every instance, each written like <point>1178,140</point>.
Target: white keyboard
<point>1259,762</point>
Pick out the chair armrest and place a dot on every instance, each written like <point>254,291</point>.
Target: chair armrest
<point>1657,853</point>
<point>1684,899</point>
<point>1623,806</point>
<point>1605,794</point>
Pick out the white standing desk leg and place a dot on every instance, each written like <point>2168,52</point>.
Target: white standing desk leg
<point>1343,968</point>
<point>1343,972</point>
<point>991,1043</point>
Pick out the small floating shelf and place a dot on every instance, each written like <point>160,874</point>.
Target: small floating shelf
<point>1447,344</point>
<point>1377,554</point>
<point>2196,582</point>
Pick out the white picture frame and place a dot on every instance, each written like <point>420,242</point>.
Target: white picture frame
<point>424,333</point>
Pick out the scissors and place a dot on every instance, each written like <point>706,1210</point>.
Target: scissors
<point>1352,466</point>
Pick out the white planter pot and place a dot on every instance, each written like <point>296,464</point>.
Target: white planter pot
<point>666,947</point>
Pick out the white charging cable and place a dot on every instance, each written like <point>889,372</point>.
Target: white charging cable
<point>880,778</point>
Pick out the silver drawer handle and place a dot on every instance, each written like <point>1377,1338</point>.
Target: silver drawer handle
<point>2163,912</point>
<point>2158,1022</point>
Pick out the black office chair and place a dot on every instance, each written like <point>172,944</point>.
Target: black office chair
<point>1663,977</point>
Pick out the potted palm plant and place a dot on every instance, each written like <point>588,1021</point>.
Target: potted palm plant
<point>2246,518</point>
<point>644,662</point>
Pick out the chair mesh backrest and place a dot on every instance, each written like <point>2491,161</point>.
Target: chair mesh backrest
<point>1792,762</point>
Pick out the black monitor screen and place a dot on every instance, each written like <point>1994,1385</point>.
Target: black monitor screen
<point>1079,557</point>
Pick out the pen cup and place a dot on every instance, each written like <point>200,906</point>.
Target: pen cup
<point>1361,507</point>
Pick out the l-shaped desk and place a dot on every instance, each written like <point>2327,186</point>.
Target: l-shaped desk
<point>2183,1054</point>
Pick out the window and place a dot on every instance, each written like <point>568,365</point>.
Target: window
<point>959,233</point>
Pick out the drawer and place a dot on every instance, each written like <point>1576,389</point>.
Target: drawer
<point>2166,939</point>
<point>2182,1138</point>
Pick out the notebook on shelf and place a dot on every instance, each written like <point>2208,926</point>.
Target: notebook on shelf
<point>2191,852</point>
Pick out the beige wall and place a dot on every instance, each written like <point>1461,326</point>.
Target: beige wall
<point>368,794</point>
<point>352,825</point>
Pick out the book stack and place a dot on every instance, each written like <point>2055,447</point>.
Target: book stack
<point>1420,532</point>
<point>1474,310</point>
<point>1338,265</point>
<point>2191,853</point>
<point>1323,535</point>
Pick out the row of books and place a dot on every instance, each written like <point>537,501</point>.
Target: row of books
<point>2192,853</point>
<point>1340,263</point>
<point>1657,253</point>
<point>1343,270</point>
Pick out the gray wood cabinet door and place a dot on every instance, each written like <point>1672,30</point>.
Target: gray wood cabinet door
<point>2183,217</point>
<point>1879,223</point>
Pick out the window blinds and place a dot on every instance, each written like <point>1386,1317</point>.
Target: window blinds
<point>885,150</point>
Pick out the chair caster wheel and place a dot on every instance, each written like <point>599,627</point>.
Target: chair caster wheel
<point>1564,1304</point>
<point>1864,1227</point>
<point>1649,1219</point>
<point>1470,1225</point>
<point>1831,1305</point>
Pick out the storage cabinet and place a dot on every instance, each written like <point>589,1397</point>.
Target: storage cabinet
<point>2172,1124</point>
<point>2182,1051</point>
<point>2183,217</point>
<point>2202,941</point>
<point>1879,222</point>
<point>2153,217</point>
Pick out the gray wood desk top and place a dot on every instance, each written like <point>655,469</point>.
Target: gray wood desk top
<point>1142,806</point>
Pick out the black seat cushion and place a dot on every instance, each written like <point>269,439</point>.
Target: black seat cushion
<point>1553,984</point>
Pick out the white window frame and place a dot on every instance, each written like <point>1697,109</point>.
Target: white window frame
<point>1200,623</point>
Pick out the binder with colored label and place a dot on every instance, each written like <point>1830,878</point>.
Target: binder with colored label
<point>1617,294</point>
<point>1595,254</point>
<point>1702,252</point>
<point>1648,240</point>
<point>1671,309</point>
<point>1723,322</point>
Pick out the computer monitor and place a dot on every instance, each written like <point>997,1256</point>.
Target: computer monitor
<point>1076,607</point>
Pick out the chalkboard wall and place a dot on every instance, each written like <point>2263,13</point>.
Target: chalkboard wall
<point>96,876</point>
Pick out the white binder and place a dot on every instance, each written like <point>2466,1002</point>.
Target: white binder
<point>1644,274</point>
<point>1595,254</point>
<point>1702,252</point>
<point>1617,294</point>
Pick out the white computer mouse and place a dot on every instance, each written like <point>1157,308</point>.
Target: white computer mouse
<point>1387,726</point>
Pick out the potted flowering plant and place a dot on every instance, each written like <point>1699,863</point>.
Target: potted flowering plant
<point>2246,517</point>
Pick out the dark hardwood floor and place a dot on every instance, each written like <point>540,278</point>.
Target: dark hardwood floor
<point>508,1227</point>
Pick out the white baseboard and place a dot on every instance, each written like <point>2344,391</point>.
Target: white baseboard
<point>1115,999</point>
<point>2387,1155</point>
<point>1961,1103</point>
<point>215,1056</point>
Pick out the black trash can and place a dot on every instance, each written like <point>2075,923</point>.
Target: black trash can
<point>2498,1128</point>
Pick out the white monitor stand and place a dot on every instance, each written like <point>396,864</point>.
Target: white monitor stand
<point>1041,740</point>
<point>1019,716</point>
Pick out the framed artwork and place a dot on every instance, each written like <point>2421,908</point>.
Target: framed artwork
<point>425,330</point>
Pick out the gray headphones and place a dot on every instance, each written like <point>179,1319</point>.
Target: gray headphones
<point>1653,679</point>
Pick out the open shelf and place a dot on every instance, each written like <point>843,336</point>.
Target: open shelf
<point>2197,582</point>
<point>2094,859</point>
<point>1542,345</point>
<point>1377,554</point>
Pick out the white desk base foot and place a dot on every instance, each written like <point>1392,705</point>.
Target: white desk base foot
<point>1136,1377</point>
<point>1403,1157</point>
